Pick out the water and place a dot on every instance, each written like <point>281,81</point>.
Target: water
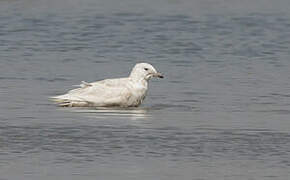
<point>222,112</point>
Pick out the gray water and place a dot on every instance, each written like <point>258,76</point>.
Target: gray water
<point>222,111</point>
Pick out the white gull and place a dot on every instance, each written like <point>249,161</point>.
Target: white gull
<point>122,92</point>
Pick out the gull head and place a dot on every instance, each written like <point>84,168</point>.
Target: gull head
<point>144,71</point>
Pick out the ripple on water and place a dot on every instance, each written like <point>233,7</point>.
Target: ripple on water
<point>166,142</point>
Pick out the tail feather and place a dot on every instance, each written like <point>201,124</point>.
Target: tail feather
<point>73,104</point>
<point>67,100</point>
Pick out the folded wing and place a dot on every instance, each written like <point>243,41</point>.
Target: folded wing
<point>110,92</point>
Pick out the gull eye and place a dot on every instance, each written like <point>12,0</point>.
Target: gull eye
<point>146,69</point>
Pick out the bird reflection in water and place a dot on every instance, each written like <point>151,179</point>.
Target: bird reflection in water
<point>112,112</point>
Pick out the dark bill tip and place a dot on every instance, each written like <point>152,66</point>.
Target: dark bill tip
<point>159,75</point>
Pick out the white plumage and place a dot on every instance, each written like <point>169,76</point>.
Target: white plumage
<point>123,92</point>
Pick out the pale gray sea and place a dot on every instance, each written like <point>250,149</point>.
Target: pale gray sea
<point>221,113</point>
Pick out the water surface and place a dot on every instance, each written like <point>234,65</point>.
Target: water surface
<point>222,111</point>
